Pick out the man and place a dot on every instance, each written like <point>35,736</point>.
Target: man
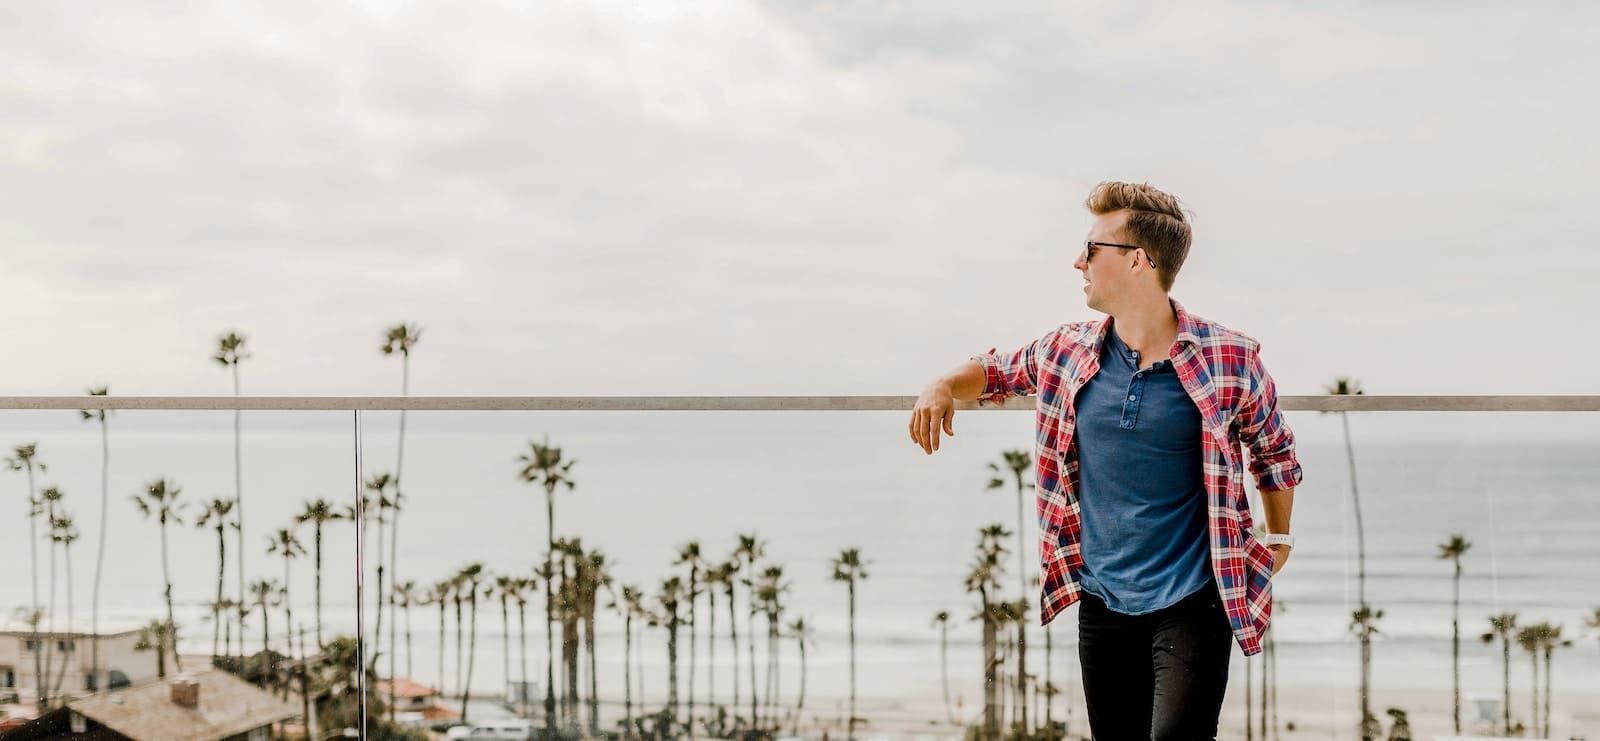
<point>1142,509</point>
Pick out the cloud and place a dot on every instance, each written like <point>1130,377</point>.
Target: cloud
<point>739,197</point>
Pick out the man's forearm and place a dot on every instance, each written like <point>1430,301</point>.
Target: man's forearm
<point>1278,505</point>
<point>965,381</point>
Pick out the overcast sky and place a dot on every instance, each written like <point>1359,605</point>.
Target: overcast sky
<point>725,197</point>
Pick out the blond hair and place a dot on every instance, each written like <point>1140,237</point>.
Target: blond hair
<point>1157,223</point>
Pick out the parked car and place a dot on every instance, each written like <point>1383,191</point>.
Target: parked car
<point>494,730</point>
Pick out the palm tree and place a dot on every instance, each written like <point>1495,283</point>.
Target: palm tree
<point>800,631</point>
<point>1342,386</point>
<point>542,465</point>
<point>629,605</point>
<point>318,512</point>
<point>750,548</point>
<point>506,587</point>
<point>160,500</point>
<point>524,586</point>
<point>399,339</point>
<point>849,568</point>
<point>1502,626</point>
<point>942,619</point>
<point>440,594</point>
<point>728,573</point>
<point>100,548</point>
<point>1549,640</point>
<point>406,597</point>
<point>267,594</point>
<point>1018,463</point>
<point>63,532</point>
<point>285,543</point>
<point>230,352</point>
<point>379,485</point>
<point>569,550</point>
<point>1530,638</point>
<point>1452,550</point>
<point>984,579</point>
<point>671,592</point>
<point>470,577</point>
<point>25,458</point>
<point>769,594</point>
<point>717,576</point>
<point>49,498</point>
<point>153,637</point>
<point>215,515</point>
<point>596,575</point>
<point>1364,624</point>
<point>689,554</point>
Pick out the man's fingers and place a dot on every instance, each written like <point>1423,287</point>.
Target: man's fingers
<point>949,421</point>
<point>933,434</point>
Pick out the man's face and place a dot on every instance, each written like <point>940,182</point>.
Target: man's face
<point>1106,276</point>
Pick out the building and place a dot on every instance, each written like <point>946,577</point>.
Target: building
<point>119,659</point>
<point>207,706</point>
<point>415,704</point>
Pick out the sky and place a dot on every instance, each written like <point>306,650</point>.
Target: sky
<point>725,197</point>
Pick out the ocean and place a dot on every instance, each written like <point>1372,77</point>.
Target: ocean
<point>1522,487</point>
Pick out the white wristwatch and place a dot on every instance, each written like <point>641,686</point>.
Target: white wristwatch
<point>1273,539</point>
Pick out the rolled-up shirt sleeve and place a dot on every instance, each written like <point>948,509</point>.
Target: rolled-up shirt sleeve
<point>1015,373</point>
<point>1262,429</point>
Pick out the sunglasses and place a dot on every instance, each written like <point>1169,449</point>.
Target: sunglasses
<point>1090,246</point>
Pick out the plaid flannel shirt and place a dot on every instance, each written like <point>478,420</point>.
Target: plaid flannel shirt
<point>1222,372</point>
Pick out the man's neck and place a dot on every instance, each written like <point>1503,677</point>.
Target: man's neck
<point>1148,325</point>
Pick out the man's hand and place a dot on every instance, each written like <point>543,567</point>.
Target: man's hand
<point>935,408</point>
<point>1280,556</point>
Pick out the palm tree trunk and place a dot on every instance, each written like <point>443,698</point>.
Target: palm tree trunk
<point>100,554</point>
<point>711,651</point>
<point>317,558</point>
<point>222,572</point>
<point>394,528</point>
<point>377,629</point>
<point>459,662</point>
<point>409,674</point>
<point>750,632</point>
<point>1049,683</point>
<point>991,707</point>
<point>288,619</point>
<point>172,625</point>
<point>505,630</point>
<point>569,652</point>
<point>72,645</point>
<point>594,682</point>
<point>549,613</point>
<point>1505,662</point>
<point>1455,647</point>
<point>1249,699</point>
<point>851,725</point>
<point>1548,648</point>
<point>40,679</point>
<point>238,502</point>
<point>694,574</point>
<point>472,654</point>
<point>1533,715</point>
<point>265,657</point>
<point>522,640</point>
<point>799,706</point>
<point>944,666</point>
<point>1022,616</point>
<point>627,675</point>
<point>50,622</point>
<point>733,632</point>
<point>672,667</point>
<point>442,645</point>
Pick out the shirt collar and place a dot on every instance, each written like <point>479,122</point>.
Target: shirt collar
<point>1189,329</point>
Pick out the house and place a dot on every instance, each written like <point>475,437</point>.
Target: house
<point>415,704</point>
<point>207,706</point>
<point>120,660</point>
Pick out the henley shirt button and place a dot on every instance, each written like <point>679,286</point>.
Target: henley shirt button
<point>1133,398</point>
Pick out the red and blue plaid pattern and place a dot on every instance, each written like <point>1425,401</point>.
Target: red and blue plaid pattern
<point>1222,372</point>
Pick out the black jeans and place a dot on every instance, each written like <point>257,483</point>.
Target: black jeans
<point>1160,675</point>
